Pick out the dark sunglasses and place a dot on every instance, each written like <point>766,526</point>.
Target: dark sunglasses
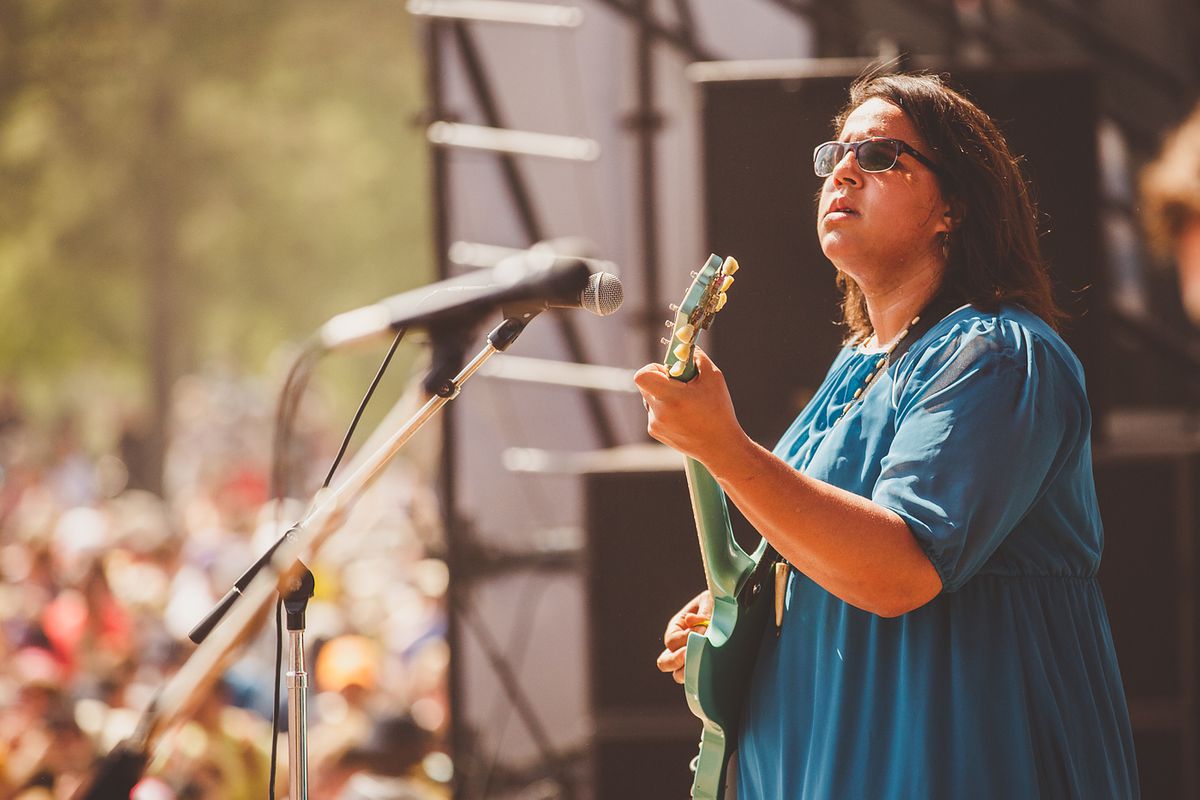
<point>872,155</point>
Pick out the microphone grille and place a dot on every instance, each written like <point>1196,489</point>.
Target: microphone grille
<point>603,294</point>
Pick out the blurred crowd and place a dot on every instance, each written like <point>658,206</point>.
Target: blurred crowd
<point>102,581</point>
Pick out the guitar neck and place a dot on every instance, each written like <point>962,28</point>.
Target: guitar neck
<point>725,563</point>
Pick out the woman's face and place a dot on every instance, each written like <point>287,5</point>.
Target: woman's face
<point>1187,256</point>
<point>880,226</point>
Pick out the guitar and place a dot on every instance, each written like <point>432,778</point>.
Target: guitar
<point>719,661</point>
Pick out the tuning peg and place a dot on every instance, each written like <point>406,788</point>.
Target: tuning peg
<point>673,307</point>
<point>670,323</point>
<point>685,332</point>
<point>725,284</point>
<point>730,266</point>
<point>677,368</point>
<point>682,351</point>
<point>693,273</point>
<point>722,298</point>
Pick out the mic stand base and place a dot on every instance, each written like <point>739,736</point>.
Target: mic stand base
<point>117,774</point>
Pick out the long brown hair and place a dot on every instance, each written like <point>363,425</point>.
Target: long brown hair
<point>992,254</point>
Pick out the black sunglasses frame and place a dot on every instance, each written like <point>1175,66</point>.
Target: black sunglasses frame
<point>900,145</point>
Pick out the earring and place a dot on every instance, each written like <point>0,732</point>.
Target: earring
<point>946,245</point>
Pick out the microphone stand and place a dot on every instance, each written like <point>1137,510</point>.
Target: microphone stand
<point>297,586</point>
<point>121,769</point>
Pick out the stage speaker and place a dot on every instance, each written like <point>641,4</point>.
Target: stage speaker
<point>1148,574</point>
<point>778,335</point>
<point>643,564</point>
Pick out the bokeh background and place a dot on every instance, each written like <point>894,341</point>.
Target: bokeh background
<point>189,190</point>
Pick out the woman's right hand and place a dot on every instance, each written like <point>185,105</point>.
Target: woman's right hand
<point>692,617</point>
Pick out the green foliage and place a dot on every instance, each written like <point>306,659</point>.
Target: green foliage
<point>212,179</point>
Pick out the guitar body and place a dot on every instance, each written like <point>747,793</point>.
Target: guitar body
<point>720,660</point>
<point>718,671</point>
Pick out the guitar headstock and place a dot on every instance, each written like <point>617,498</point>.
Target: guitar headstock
<point>705,297</point>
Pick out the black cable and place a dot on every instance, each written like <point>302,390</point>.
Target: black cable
<point>289,404</point>
<point>363,405</point>
<point>275,702</point>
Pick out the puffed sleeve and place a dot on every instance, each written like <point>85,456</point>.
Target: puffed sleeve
<point>985,415</point>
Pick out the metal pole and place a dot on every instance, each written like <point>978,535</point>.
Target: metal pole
<point>296,587</point>
<point>297,687</point>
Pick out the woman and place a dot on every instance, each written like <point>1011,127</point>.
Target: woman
<point>1171,208</point>
<point>944,634</point>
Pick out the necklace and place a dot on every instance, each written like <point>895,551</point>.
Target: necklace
<point>880,366</point>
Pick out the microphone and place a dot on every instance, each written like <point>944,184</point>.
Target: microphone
<point>602,296</point>
<point>530,283</point>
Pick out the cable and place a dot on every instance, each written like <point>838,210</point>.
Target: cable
<point>362,406</point>
<point>275,703</point>
<point>289,404</point>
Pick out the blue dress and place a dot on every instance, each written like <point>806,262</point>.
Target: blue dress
<point>1005,686</point>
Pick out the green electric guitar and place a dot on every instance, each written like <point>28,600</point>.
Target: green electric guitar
<point>719,661</point>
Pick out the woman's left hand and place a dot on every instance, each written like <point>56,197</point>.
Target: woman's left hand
<point>696,418</point>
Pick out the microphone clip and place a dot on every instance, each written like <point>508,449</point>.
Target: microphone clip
<point>449,347</point>
<point>447,352</point>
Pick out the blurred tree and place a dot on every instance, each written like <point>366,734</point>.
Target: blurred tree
<point>189,182</point>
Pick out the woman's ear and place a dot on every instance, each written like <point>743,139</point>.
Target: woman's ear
<point>955,212</point>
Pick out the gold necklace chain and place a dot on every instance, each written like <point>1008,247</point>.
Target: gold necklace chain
<point>880,366</point>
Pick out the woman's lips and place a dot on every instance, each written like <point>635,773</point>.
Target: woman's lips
<point>840,209</point>
<point>835,214</point>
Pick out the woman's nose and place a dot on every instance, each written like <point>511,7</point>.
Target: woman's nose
<point>846,170</point>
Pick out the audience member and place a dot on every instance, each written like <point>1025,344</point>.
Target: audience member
<point>1171,208</point>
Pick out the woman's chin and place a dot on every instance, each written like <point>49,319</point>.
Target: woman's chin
<point>838,248</point>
